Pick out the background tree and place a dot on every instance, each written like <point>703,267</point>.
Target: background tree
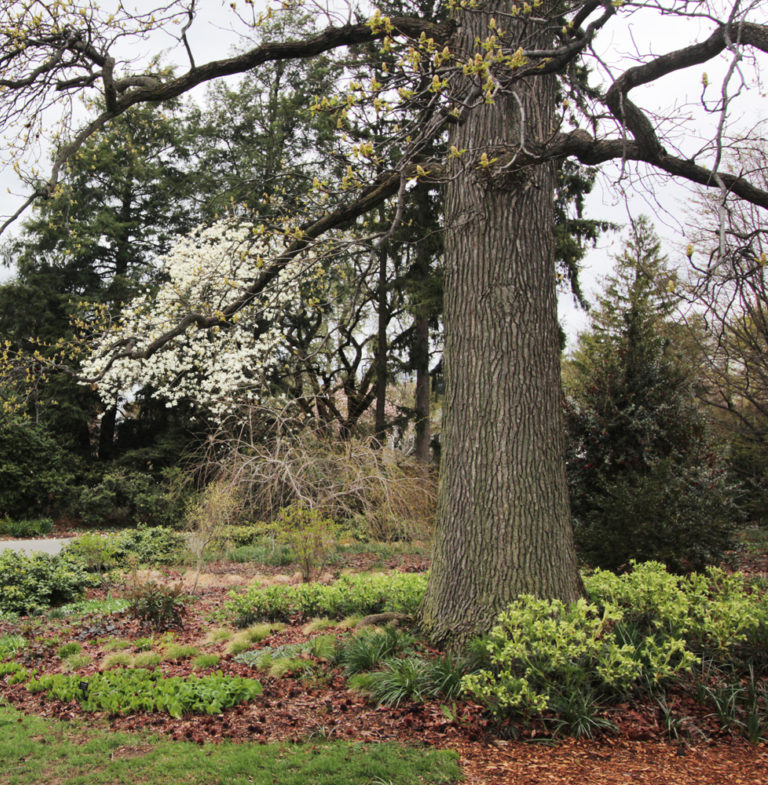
<point>646,480</point>
<point>728,323</point>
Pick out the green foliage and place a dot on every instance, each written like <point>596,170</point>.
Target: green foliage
<point>119,659</point>
<point>241,534</point>
<point>147,659</point>
<point>25,528</point>
<point>125,497</point>
<point>351,594</point>
<point>156,606</point>
<point>646,480</point>
<point>156,546</point>
<point>107,605</point>
<point>290,657</point>
<point>31,584</point>
<point>413,678</point>
<point>11,645</point>
<point>175,652</point>
<point>267,551</point>
<point>635,631</point>
<point>399,680</point>
<point>205,662</point>
<point>35,476</point>
<point>98,552</point>
<point>308,534</point>
<point>77,661</point>
<point>132,690</point>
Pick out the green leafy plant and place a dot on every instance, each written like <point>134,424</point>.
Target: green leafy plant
<point>368,649</point>
<point>77,661</point>
<point>118,644</point>
<point>98,552</point>
<point>68,649</point>
<point>175,652</point>
<point>32,584</point>
<point>11,645</point>
<point>131,690</point>
<point>37,527</point>
<point>205,662</point>
<point>147,659</point>
<point>543,653</point>
<point>119,659</point>
<point>351,594</point>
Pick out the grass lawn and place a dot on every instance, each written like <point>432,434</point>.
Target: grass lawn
<point>35,750</point>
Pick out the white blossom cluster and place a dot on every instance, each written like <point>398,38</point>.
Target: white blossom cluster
<point>218,368</point>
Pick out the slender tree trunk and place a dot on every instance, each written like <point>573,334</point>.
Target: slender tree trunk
<point>421,404</point>
<point>503,516</point>
<point>382,349</point>
<point>107,433</point>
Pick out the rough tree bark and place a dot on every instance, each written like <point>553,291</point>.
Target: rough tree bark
<point>503,515</point>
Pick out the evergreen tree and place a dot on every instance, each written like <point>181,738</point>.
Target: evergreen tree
<point>646,480</point>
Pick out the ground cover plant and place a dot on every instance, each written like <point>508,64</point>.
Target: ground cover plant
<point>361,594</point>
<point>647,655</point>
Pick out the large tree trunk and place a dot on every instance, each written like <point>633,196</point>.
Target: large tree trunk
<point>503,516</point>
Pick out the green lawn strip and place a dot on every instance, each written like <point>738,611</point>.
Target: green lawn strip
<point>34,750</point>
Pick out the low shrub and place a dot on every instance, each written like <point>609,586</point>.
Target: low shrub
<point>156,606</point>
<point>127,691</point>
<point>153,546</point>
<point>157,545</point>
<point>123,497</point>
<point>266,551</point>
<point>32,584</point>
<point>25,528</point>
<point>308,534</point>
<point>97,552</point>
<point>351,594</point>
<point>636,631</point>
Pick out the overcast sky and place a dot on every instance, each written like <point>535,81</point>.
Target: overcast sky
<point>615,197</point>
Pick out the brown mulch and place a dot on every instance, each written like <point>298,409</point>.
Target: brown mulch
<point>292,709</point>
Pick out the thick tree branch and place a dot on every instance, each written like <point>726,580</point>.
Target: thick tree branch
<point>633,118</point>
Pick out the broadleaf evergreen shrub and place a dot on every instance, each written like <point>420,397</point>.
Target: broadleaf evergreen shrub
<point>32,584</point>
<point>643,628</point>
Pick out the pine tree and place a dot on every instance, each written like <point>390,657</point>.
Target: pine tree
<point>646,480</point>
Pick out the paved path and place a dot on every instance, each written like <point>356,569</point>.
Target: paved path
<point>51,546</point>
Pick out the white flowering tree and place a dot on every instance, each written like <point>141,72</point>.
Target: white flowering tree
<point>207,273</point>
